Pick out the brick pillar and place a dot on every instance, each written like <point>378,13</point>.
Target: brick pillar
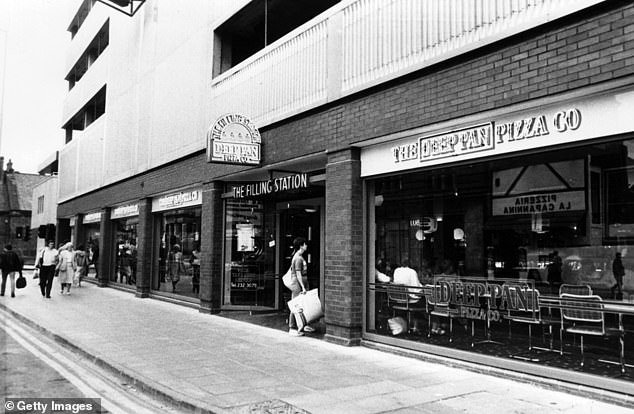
<point>145,246</point>
<point>344,248</point>
<point>77,231</point>
<point>212,239</point>
<point>106,249</point>
<point>62,233</point>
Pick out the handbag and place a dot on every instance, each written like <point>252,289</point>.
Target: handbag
<point>20,282</point>
<point>287,279</point>
<point>63,265</point>
<point>306,308</point>
<point>36,273</point>
<point>397,325</point>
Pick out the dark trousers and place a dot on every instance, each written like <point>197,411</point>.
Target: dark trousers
<point>47,274</point>
<point>5,276</point>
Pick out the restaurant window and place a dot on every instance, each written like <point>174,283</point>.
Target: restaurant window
<point>250,254</point>
<point>460,253</point>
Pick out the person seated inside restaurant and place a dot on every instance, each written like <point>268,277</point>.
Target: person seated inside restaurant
<point>381,272</point>
<point>406,276</point>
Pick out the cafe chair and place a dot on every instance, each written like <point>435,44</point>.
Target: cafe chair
<point>531,317</point>
<point>575,289</point>
<point>584,315</point>
<point>399,299</point>
<point>441,310</point>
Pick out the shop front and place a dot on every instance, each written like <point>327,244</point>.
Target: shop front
<point>91,235</point>
<point>177,232</point>
<point>507,239</point>
<point>262,218</point>
<point>125,220</point>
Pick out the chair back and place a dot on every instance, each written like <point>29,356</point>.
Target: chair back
<point>398,294</point>
<point>532,310</point>
<point>581,308</point>
<point>575,289</point>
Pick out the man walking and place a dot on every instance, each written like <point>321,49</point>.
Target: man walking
<point>49,258</point>
<point>11,265</point>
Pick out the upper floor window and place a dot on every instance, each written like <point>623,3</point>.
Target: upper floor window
<point>40,204</point>
<point>80,16</point>
<point>260,23</point>
<point>90,55</point>
<point>93,109</point>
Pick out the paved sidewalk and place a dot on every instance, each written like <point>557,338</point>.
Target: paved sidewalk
<point>214,364</point>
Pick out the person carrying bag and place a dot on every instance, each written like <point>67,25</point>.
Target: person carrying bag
<point>298,285</point>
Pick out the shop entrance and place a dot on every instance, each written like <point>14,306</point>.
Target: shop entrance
<point>301,220</point>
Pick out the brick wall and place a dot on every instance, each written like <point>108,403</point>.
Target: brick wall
<point>212,239</point>
<point>145,246</point>
<point>344,247</point>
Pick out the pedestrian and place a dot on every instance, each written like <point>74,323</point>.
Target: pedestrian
<point>195,262</point>
<point>81,265</point>
<point>11,265</point>
<point>47,261</point>
<point>93,257</point>
<point>175,265</point>
<point>299,282</point>
<point>66,267</point>
<point>554,269</point>
<point>618,271</point>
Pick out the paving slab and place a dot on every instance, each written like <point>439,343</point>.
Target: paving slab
<point>225,365</point>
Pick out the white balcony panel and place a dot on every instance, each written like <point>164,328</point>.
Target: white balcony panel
<point>93,80</point>
<point>362,43</point>
<point>271,85</point>
<point>385,39</point>
<point>68,171</point>
<point>81,161</point>
<point>86,33</point>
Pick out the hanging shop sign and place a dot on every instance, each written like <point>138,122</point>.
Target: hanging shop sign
<point>129,210</point>
<point>572,120</point>
<point>73,221</point>
<point>274,185</point>
<point>92,218</point>
<point>234,139</point>
<point>177,200</point>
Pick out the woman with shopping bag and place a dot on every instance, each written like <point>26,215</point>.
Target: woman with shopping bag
<point>299,283</point>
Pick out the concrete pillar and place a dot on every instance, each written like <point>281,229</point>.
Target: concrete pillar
<point>145,249</point>
<point>212,239</point>
<point>344,248</point>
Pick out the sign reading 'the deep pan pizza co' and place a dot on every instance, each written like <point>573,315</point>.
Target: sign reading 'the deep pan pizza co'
<point>234,139</point>
<point>571,119</point>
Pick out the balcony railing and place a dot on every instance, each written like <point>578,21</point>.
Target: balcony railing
<point>362,43</point>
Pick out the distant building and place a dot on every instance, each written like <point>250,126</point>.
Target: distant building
<point>15,209</point>
<point>44,202</point>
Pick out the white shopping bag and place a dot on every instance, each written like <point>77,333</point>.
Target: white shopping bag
<point>306,307</point>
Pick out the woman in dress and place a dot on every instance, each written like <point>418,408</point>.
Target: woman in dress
<point>175,265</point>
<point>66,267</point>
